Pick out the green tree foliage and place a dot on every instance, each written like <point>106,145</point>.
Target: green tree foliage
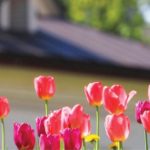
<point>117,16</point>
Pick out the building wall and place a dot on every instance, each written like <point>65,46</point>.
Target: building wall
<point>22,15</point>
<point>5,15</point>
<point>18,19</point>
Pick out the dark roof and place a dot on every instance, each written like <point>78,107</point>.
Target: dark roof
<point>105,46</point>
<point>65,42</point>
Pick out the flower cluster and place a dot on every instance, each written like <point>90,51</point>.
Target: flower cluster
<point>70,128</point>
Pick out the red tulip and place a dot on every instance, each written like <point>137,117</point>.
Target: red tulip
<point>44,87</point>
<point>72,139</point>
<point>53,123</point>
<point>24,136</point>
<point>141,106</point>
<point>4,107</point>
<point>40,125</point>
<point>145,119</point>
<point>116,99</point>
<point>79,119</point>
<point>93,92</point>
<point>49,142</point>
<point>117,127</point>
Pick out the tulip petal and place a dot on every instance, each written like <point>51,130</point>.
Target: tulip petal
<point>145,118</point>
<point>130,96</point>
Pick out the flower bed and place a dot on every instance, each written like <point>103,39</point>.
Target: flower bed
<point>70,128</point>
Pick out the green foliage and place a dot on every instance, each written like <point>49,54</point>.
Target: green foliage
<point>117,16</point>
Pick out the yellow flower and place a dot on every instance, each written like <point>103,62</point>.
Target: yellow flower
<point>91,138</point>
<point>114,145</point>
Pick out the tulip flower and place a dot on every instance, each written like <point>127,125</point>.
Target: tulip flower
<point>116,99</point>
<point>53,124</point>
<point>49,142</point>
<point>40,125</point>
<point>57,121</point>
<point>145,119</point>
<point>4,107</point>
<point>117,127</point>
<point>45,89</point>
<point>72,139</point>
<point>79,119</point>
<point>141,106</point>
<point>142,110</point>
<point>4,111</point>
<point>24,136</point>
<point>68,118</point>
<point>93,92</point>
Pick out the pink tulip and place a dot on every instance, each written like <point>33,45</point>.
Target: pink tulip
<point>40,125</point>
<point>141,106</point>
<point>68,118</point>
<point>72,139</point>
<point>57,120</point>
<point>4,107</point>
<point>49,142</point>
<point>79,119</point>
<point>44,87</point>
<point>145,119</point>
<point>93,92</point>
<point>117,127</point>
<point>116,99</point>
<point>24,136</point>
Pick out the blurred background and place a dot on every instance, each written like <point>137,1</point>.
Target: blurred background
<point>77,42</point>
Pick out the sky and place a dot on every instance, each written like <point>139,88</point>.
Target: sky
<point>145,9</point>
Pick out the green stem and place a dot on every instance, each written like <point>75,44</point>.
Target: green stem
<point>120,145</point>
<point>46,107</point>
<point>3,134</point>
<point>37,144</point>
<point>97,126</point>
<point>62,146</point>
<point>84,145</point>
<point>146,140</point>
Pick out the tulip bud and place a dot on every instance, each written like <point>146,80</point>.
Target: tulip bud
<point>145,119</point>
<point>4,107</point>
<point>44,87</point>
<point>93,92</point>
<point>24,136</point>
<point>117,127</point>
<point>116,99</point>
<point>141,106</point>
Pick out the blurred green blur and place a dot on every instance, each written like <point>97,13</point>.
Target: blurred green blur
<point>116,16</point>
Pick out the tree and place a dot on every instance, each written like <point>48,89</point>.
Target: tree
<point>117,16</point>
